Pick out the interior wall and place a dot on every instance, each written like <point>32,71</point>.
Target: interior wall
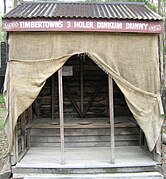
<point>93,79</point>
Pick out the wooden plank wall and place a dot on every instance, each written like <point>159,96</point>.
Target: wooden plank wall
<point>22,135</point>
<point>93,78</point>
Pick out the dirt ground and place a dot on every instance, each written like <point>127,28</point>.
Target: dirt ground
<point>3,140</point>
<point>3,149</point>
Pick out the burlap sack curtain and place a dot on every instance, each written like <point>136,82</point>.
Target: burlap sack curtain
<point>131,60</point>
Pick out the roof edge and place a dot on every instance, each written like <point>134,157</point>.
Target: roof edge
<point>82,2</point>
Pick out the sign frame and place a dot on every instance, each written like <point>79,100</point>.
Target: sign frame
<point>81,25</point>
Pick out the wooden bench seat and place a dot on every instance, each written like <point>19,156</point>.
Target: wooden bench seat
<point>83,133</point>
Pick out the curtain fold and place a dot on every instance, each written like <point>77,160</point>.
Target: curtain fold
<point>131,60</point>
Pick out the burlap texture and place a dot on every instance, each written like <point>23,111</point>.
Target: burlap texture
<point>131,60</point>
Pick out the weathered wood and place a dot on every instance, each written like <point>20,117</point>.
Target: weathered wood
<point>94,95</point>
<point>28,139</point>
<point>82,132</point>
<point>53,96</point>
<point>111,114</point>
<point>81,87</point>
<point>30,114</point>
<point>23,130</point>
<point>79,126</point>
<point>16,146</point>
<point>27,133</point>
<point>87,144</point>
<point>84,136</point>
<point>83,139</point>
<point>72,101</point>
<point>92,77</point>
<point>90,158</point>
<point>141,137</point>
<point>61,114</point>
<point>36,108</point>
<point>95,103</point>
<point>87,123</point>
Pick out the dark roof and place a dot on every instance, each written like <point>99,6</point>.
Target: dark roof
<point>83,10</point>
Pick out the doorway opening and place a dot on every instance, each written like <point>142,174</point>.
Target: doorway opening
<point>97,128</point>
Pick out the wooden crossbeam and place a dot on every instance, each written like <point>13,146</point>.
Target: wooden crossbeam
<point>73,102</point>
<point>88,105</point>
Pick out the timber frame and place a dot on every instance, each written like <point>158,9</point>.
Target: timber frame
<point>76,126</point>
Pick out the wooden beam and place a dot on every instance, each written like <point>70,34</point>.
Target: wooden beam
<point>53,95</point>
<point>111,115</point>
<point>60,87</point>
<point>72,101</point>
<point>88,105</point>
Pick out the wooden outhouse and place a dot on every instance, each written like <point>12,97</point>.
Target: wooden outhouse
<point>82,88</point>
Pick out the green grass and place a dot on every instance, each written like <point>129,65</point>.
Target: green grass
<point>1,99</point>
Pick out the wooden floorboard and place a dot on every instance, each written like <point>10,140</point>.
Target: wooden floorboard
<point>94,157</point>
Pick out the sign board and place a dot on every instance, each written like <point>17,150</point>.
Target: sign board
<point>97,25</point>
<point>67,71</point>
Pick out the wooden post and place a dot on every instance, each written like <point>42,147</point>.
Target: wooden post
<point>140,138</point>
<point>111,115</point>
<point>16,144</point>
<point>23,128</point>
<point>11,133</point>
<point>36,106</point>
<point>60,87</point>
<point>30,114</point>
<point>53,96</point>
<point>161,9</point>
<point>81,81</point>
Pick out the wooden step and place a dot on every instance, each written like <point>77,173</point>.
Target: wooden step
<point>84,161</point>
<point>146,175</point>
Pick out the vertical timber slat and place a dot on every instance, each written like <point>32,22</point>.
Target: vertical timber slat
<point>27,135</point>
<point>36,109</point>
<point>30,114</point>
<point>140,137</point>
<point>81,81</point>
<point>23,123</point>
<point>53,95</point>
<point>16,144</point>
<point>111,115</point>
<point>60,87</point>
